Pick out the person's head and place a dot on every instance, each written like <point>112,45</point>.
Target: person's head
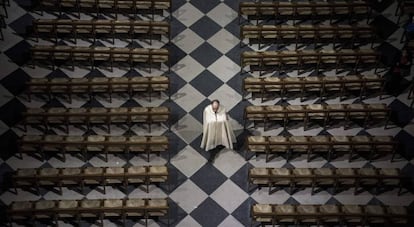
<point>404,52</point>
<point>215,104</point>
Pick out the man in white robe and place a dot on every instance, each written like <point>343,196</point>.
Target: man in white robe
<point>216,128</point>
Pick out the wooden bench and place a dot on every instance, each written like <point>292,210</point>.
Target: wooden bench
<point>98,85</point>
<point>329,214</point>
<point>92,55</point>
<point>96,116</point>
<point>270,61</point>
<point>371,146</point>
<point>152,7</point>
<point>130,29</point>
<point>75,210</point>
<point>321,86</point>
<point>312,10</point>
<point>319,112</point>
<point>35,144</point>
<point>82,176</point>
<point>404,7</point>
<point>308,34</point>
<point>276,178</point>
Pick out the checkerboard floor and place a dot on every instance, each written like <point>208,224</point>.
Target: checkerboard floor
<point>205,58</point>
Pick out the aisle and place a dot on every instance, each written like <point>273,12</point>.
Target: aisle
<point>208,38</point>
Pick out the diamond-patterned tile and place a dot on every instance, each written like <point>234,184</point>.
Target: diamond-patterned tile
<point>19,53</point>
<point>188,161</point>
<point>209,213</point>
<point>188,40</point>
<point>230,221</point>
<point>11,112</point>
<point>229,196</point>
<point>225,157</point>
<point>206,83</point>
<point>188,68</point>
<point>222,14</point>
<point>225,69</point>
<point>187,14</point>
<point>199,27</point>
<point>242,213</point>
<point>206,54</point>
<point>182,193</point>
<point>22,26</point>
<point>188,97</point>
<point>205,58</point>
<point>204,6</point>
<point>208,178</point>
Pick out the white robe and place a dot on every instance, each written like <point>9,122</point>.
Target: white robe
<point>216,129</point>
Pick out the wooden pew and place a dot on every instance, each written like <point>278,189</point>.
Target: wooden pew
<point>321,86</point>
<point>93,86</point>
<point>54,210</point>
<point>371,146</point>
<point>266,61</point>
<point>308,34</point>
<point>380,178</point>
<point>33,144</point>
<point>92,55</point>
<point>101,176</point>
<point>131,29</point>
<point>96,115</point>
<point>404,7</point>
<point>273,214</point>
<point>152,7</point>
<point>324,113</point>
<point>315,10</point>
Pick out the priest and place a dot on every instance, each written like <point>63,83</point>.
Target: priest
<point>217,130</point>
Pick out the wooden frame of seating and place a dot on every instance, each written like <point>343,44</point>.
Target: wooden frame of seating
<point>151,7</point>
<point>40,146</point>
<point>312,34</point>
<point>93,28</point>
<point>312,214</point>
<point>145,209</point>
<point>410,93</point>
<point>260,86</point>
<point>43,116</point>
<point>307,113</point>
<point>60,180</point>
<point>288,177</point>
<point>374,142</point>
<point>51,54</point>
<point>404,7</point>
<point>67,87</point>
<point>302,59</point>
<point>315,10</point>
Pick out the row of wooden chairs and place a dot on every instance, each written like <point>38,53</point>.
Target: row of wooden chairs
<point>308,34</point>
<point>327,145</point>
<point>264,61</point>
<point>92,55</point>
<point>4,14</point>
<point>321,86</point>
<point>76,210</point>
<point>98,85</point>
<point>67,28</point>
<point>36,144</point>
<point>96,116</point>
<point>152,7</point>
<point>411,93</point>
<point>317,112</point>
<point>276,178</point>
<point>404,7</point>
<point>329,214</point>
<point>313,10</point>
<point>101,176</point>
